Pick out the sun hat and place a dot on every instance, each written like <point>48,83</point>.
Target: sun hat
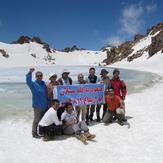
<point>116,70</point>
<point>120,111</point>
<point>103,70</point>
<point>52,74</point>
<point>65,71</point>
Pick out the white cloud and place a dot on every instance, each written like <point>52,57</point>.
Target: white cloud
<point>114,40</point>
<point>151,8</point>
<point>131,19</point>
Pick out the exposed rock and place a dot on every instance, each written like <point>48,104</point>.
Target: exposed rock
<point>26,39</point>
<point>37,40</point>
<point>4,54</point>
<point>125,50</point>
<point>53,50</point>
<point>157,44</point>
<point>67,49</point>
<point>22,40</point>
<point>155,29</point>
<point>131,58</point>
<point>105,48</point>
<point>46,46</point>
<point>136,55</point>
<point>138,37</point>
<point>74,48</point>
<point>49,58</point>
<point>33,55</point>
<point>118,53</point>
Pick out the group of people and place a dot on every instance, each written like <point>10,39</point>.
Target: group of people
<point>50,119</point>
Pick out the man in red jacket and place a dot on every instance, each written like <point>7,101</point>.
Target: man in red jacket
<point>119,86</point>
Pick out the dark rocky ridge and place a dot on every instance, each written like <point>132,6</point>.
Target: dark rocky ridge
<point>74,48</point>
<point>26,39</point>
<point>117,53</point>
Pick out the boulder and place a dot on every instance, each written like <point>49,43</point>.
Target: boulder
<point>22,40</point>
<point>156,44</point>
<point>4,54</point>
<point>138,37</point>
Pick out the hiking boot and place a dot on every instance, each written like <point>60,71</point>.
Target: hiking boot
<point>124,120</point>
<point>90,136</point>
<point>82,138</point>
<point>47,138</point>
<point>36,136</point>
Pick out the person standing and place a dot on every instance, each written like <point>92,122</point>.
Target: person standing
<point>105,80</point>
<point>39,98</point>
<point>119,86</point>
<point>50,86</point>
<point>65,79</point>
<point>115,107</point>
<point>92,79</point>
<point>81,108</point>
<point>49,126</point>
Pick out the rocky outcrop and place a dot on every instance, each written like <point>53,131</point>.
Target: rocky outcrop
<point>138,54</point>
<point>138,37</point>
<point>154,29</point>
<point>105,48</point>
<point>125,50</point>
<point>26,39</point>
<point>118,53</point>
<point>22,40</point>
<point>74,48</point>
<point>4,54</point>
<point>157,44</point>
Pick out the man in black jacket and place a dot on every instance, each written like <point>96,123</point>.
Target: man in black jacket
<point>65,79</point>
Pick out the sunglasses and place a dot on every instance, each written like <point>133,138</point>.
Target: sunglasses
<point>39,75</point>
<point>54,77</point>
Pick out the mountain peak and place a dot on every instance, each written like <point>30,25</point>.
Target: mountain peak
<point>26,39</point>
<point>130,51</point>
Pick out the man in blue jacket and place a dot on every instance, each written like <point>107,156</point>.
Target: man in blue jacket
<point>39,98</point>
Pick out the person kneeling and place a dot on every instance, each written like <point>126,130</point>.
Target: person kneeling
<point>49,126</point>
<point>115,107</point>
<point>71,126</point>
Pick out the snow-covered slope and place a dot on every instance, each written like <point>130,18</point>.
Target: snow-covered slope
<point>139,140</point>
<point>143,62</point>
<point>32,54</point>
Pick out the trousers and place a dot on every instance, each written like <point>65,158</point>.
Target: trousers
<point>76,128</point>
<point>51,130</point>
<point>38,114</point>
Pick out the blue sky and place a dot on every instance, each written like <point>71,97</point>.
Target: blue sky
<point>89,24</point>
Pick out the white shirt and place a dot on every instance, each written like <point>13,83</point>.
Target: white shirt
<point>49,118</point>
<point>65,81</point>
<point>69,117</point>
